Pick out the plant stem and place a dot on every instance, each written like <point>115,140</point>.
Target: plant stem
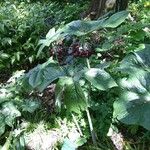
<point>76,122</point>
<point>91,127</point>
<point>88,63</point>
<point>88,114</point>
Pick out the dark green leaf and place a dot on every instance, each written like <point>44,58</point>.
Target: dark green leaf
<point>133,106</point>
<point>42,75</point>
<point>35,78</point>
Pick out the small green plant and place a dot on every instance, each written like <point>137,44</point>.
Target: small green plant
<point>12,105</point>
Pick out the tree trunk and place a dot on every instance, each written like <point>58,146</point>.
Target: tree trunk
<point>99,7</point>
<point>121,5</point>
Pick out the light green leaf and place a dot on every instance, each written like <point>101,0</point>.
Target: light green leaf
<point>5,95</point>
<point>10,112</point>
<point>30,105</point>
<point>68,145</point>
<point>81,141</point>
<point>100,78</point>
<point>115,20</point>
<point>2,27</point>
<point>13,59</point>
<point>41,47</point>
<point>7,41</point>
<point>4,56</point>
<point>50,33</point>
<point>71,93</point>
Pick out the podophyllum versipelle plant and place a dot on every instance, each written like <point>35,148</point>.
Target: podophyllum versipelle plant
<point>70,69</point>
<point>76,66</point>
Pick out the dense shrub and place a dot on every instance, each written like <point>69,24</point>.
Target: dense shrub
<point>21,26</point>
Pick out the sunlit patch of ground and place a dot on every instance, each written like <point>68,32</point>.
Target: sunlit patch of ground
<point>49,139</point>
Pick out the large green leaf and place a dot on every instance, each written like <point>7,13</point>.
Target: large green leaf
<point>42,75</point>
<point>115,20</point>
<point>100,78</point>
<point>81,27</point>
<point>133,106</point>
<point>35,78</point>
<point>10,112</point>
<point>139,60</point>
<point>71,93</point>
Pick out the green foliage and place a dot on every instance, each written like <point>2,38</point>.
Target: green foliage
<point>12,105</point>
<point>140,11</point>
<point>23,24</point>
<point>133,106</point>
<point>18,34</point>
<point>127,37</point>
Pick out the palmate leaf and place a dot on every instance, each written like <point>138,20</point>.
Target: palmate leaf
<point>133,106</point>
<point>71,93</point>
<point>81,27</point>
<point>42,75</point>
<point>100,79</point>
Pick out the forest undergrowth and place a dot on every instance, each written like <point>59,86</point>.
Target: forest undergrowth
<point>71,83</point>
